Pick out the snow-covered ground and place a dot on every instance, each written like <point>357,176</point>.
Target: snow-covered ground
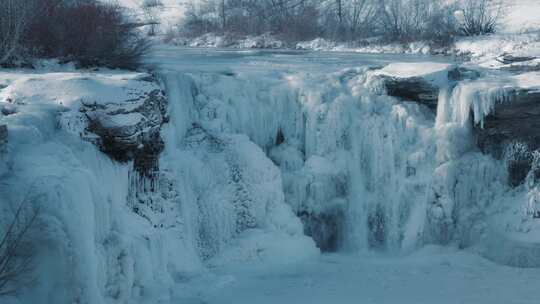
<point>431,275</point>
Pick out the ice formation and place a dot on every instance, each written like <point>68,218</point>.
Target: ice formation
<point>251,162</point>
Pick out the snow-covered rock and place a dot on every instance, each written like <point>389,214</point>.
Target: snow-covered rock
<point>130,130</point>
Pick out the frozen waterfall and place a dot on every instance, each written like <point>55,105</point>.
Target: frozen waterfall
<point>257,165</point>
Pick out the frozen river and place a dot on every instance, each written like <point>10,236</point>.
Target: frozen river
<point>211,60</point>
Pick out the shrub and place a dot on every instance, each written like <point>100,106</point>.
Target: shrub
<point>88,32</point>
<point>480,17</point>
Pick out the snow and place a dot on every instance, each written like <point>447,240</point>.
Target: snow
<point>71,89</point>
<point>211,40</point>
<point>404,70</point>
<point>372,46</point>
<point>485,50</point>
<point>520,16</point>
<point>431,275</point>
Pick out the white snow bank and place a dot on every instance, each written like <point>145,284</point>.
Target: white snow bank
<point>404,70</point>
<point>71,89</point>
<point>212,40</point>
<point>520,16</point>
<point>372,46</point>
<point>485,50</point>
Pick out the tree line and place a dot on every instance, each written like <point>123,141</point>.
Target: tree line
<point>88,32</point>
<point>438,21</point>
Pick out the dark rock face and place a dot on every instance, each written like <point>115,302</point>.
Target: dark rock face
<point>3,133</point>
<point>421,90</point>
<point>3,148</point>
<point>462,73</point>
<point>130,131</point>
<point>509,58</point>
<point>326,228</point>
<point>412,89</point>
<point>515,121</point>
<point>3,138</point>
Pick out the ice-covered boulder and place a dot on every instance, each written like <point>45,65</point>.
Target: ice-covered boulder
<point>130,130</point>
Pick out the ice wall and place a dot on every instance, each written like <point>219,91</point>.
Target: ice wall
<point>89,247</point>
<point>362,170</point>
<point>356,166</point>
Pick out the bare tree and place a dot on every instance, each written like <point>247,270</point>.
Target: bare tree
<point>361,17</point>
<point>151,3</point>
<point>149,8</point>
<point>410,20</point>
<point>15,16</point>
<point>287,18</point>
<point>16,254</point>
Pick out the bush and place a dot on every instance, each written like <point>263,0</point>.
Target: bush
<point>89,32</point>
<point>480,17</point>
